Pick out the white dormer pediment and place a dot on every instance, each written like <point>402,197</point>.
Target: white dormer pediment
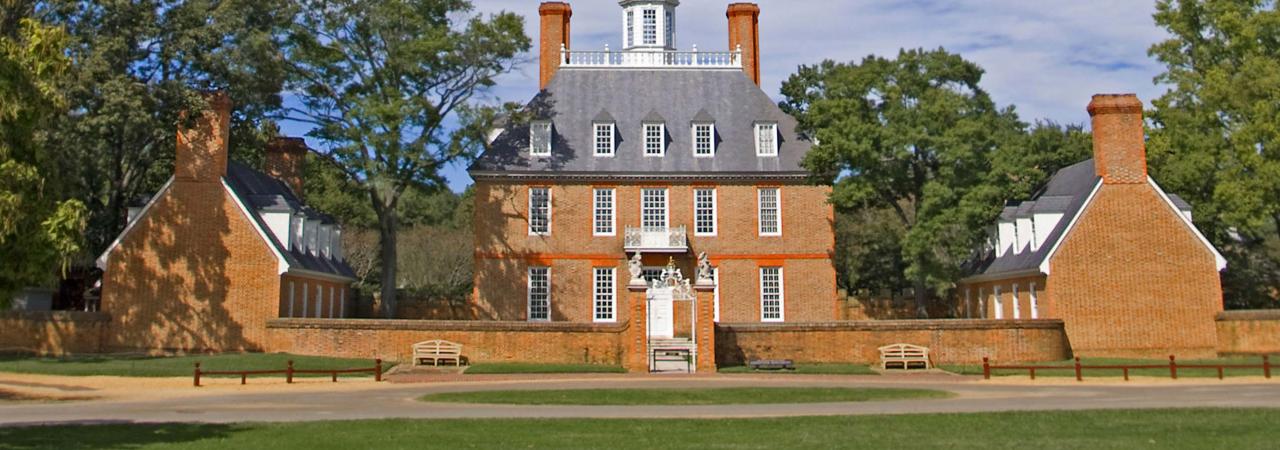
<point>1006,235</point>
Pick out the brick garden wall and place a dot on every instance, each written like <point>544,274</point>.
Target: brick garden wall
<point>52,332</point>
<point>949,341</point>
<point>1249,332</point>
<point>481,341</point>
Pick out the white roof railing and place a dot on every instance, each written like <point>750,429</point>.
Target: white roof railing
<point>652,59</point>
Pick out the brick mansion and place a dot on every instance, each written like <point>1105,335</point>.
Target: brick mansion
<point>653,198</point>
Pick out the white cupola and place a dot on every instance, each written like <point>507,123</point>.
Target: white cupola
<point>649,24</point>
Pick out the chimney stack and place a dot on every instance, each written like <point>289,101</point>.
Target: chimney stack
<point>286,161</point>
<point>1119,149</point>
<point>744,32</point>
<point>202,149</point>
<point>553,35</point>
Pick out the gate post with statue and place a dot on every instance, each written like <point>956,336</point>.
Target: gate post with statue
<point>650,340</point>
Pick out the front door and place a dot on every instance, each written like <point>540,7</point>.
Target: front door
<point>661,313</point>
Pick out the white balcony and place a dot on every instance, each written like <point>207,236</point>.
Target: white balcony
<point>666,59</point>
<point>656,239</point>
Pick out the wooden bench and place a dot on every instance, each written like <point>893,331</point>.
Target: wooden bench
<point>436,351</point>
<point>905,356</point>
<point>772,364</point>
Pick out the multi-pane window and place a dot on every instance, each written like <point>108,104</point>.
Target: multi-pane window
<point>650,26</point>
<point>540,293</point>
<point>631,19</point>
<point>540,138</point>
<point>704,211</point>
<point>1035,304</point>
<point>604,139</point>
<point>653,139</point>
<point>998,304</point>
<point>766,139</point>
<point>771,294</point>
<point>670,26</point>
<point>653,209</point>
<point>770,216</point>
<point>1017,310</point>
<point>605,294</point>
<point>650,274</point>
<point>539,210</point>
<point>703,139</point>
<point>291,300</point>
<point>603,214</point>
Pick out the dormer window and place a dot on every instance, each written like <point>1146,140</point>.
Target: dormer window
<point>704,143</point>
<point>766,139</point>
<point>540,138</point>
<point>654,142</point>
<point>604,134</point>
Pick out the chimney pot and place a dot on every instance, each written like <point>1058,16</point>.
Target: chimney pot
<point>1119,147</point>
<point>201,153</point>
<point>286,161</point>
<point>553,39</point>
<point>744,35</point>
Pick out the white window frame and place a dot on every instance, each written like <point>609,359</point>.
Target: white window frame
<point>291,299</point>
<point>332,303</point>
<point>697,230</point>
<point>999,304</point>
<point>609,146</point>
<point>1017,309</point>
<point>982,303</point>
<point>968,312</point>
<point>529,294</point>
<point>305,299</point>
<point>533,232</point>
<point>770,149</point>
<point>604,295</point>
<point>666,208</point>
<point>782,298</point>
<point>596,212</point>
<point>319,301</point>
<point>630,25</point>
<point>662,139</point>
<point>1035,304</point>
<point>711,140</point>
<point>760,222</point>
<point>645,23</point>
<point>534,128</point>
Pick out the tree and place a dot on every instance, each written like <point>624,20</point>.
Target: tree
<point>137,65</point>
<point>913,135</point>
<point>1215,134</point>
<point>380,83</point>
<point>38,228</point>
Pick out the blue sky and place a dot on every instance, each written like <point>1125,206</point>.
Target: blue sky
<point>1045,57</point>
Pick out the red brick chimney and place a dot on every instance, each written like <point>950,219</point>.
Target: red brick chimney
<point>286,161</point>
<point>555,33</point>
<point>744,31</point>
<point>1119,150</point>
<point>202,149</point>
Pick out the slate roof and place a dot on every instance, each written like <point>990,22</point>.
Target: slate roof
<point>263,193</point>
<point>1065,193</point>
<point>576,98</point>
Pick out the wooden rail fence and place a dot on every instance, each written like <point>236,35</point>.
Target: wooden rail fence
<point>1173,367</point>
<point>289,371</point>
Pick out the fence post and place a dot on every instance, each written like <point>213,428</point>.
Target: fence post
<point>1033,373</point>
<point>335,376</point>
<point>1079,376</point>
<point>377,369</point>
<point>986,368</point>
<point>197,375</point>
<point>288,373</point>
<point>1173,368</point>
<point>244,377</point>
<point>1266,366</point>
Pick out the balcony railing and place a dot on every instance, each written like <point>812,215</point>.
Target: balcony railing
<point>652,58</point>
<point>656,239</point>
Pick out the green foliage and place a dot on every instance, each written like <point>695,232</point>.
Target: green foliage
<point>138,65</point>
<point>38,230</point>
<point>1215,135</point>
<point>914,135</point>
<point>381,81</point>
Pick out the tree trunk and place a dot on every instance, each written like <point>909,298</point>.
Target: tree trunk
<point>387,228</point>
<point>922,301</point>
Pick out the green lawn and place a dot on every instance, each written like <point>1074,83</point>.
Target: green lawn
<point>1162,429</point>
<point>502,368</point>
<point>1068,369</point>
<point>810,369</point>
<point>173,366</point>
<point>716,396</point>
